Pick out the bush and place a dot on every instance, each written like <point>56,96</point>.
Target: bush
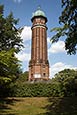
<point>36,90</point>
<point>64,84</point>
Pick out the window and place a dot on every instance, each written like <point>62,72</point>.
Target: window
<point>44,74</point>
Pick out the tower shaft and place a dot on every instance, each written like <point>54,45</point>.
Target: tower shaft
<point>39,65</point>
<point>39,43</point>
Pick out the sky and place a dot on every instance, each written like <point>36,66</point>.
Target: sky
<point>23,9</point>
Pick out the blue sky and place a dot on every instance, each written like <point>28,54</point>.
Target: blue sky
<point>23,10</point>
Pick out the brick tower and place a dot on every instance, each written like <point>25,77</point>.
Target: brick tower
<point>39,65</point>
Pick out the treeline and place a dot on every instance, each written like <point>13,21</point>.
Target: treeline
<point>64,84</point>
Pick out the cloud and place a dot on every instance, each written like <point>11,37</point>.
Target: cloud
<point>48,40</point>
<point>59,66</point>
<point>25,54</point>
<point>22,56</point>
<point>26,33</point>
<point>57,47</point>
<point>17,1</point>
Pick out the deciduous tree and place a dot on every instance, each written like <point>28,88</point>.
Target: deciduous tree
<point>68,28</point>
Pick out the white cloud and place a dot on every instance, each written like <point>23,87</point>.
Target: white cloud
<point>48,40</point>
<point>22,56</point>
<point>17,1</point>
<point>59,67</point>
<point>26,33</point>
<point>57,47</point>
<point>25,54</point>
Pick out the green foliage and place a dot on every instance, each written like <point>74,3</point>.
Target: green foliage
<point>68,19</point>
<point>9,70</point>
<point>36,90</point>
<point>10,43</point>
<point>4,80</point>
<point>64,84</point>
<point>9,64</point>
<point>68,79</point>
<point>23,77</point>
<point>9,34</point>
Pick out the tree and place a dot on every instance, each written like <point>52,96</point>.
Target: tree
<point>9,66</point>
<point>68,19</point>
<point>9,34</point>
<point>23,78</point>
<point>68,79</point>
<point>10,44</point>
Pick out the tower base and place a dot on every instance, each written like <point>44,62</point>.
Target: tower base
<point>38,71</point>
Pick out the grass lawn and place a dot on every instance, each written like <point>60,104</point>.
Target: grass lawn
<point>39,106</point>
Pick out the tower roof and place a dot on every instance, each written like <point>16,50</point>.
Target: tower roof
<point>38,13</point>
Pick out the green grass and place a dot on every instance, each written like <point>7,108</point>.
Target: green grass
<point>39,106</point>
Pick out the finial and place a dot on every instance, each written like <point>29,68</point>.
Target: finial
<point>39,7</point>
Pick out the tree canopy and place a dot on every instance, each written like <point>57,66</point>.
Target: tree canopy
<point>10,43</point>
<point>9,34</point>
<point>68,22</point>
<point>68,80</point>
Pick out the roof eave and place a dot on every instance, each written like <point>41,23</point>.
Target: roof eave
<point>38,17</point>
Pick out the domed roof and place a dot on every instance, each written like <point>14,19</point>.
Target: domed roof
<point>38,13</point>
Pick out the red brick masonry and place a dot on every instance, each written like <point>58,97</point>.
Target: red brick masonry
<point>39,65</point>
